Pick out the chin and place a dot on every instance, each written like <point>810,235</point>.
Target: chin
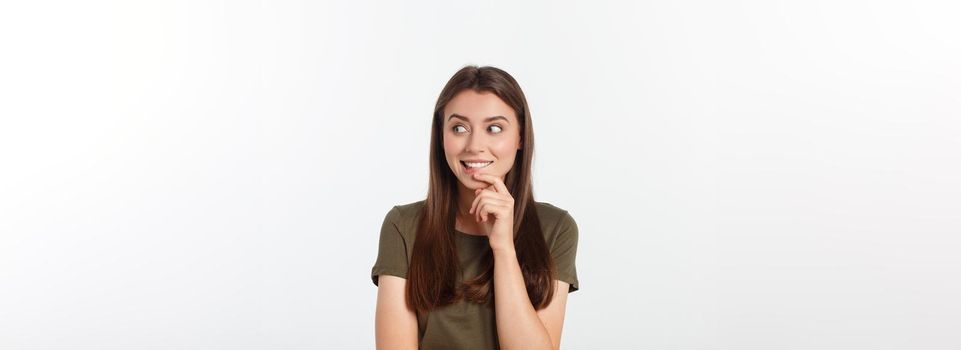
<point>474,184</point>
<point>471,183</point>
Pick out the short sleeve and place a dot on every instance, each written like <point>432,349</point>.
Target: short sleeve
<point>392,250</point>
<point>564,251</point>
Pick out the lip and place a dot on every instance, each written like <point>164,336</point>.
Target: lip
<point>471,171</point>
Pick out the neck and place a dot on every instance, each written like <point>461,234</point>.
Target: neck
<point>465,197</point>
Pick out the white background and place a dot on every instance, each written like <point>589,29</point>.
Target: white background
<point>744,174</point>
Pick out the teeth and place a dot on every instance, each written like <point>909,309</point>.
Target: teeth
<point>477,165</point>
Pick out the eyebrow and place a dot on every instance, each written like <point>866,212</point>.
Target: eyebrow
<point>458,116</point>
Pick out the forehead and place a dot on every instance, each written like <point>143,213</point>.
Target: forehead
<point>478,106</point>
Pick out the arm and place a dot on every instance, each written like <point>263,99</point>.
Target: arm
<point>395,324</point>
<point>519,326</point>
<point>553,315</point>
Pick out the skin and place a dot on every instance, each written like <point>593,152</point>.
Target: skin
<point>477,136</point>
<point>486,208</point>
<point>469,133</point>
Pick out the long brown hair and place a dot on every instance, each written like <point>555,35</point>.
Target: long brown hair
<point>434,265</point>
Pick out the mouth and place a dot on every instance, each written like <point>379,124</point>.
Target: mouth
<point>476,165</point>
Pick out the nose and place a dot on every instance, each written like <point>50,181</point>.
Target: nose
<point>475,143</point>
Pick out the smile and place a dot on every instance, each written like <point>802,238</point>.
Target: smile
<point>475,165</point>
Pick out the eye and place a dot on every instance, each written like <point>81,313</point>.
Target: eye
<point>458,126</point>
<point>499,129</point>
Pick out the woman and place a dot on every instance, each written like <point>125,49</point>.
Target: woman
<point>479,245</point>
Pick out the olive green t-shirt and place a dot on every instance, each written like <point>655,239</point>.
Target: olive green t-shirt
<point>467,325</point>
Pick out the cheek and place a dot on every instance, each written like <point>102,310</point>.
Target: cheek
<point>450,146</point>
<point>505,150</point>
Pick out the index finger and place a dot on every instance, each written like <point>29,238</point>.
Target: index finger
<point>496,181</point>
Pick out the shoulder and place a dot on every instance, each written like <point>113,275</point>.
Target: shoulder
<point>404,217</point>
<point>555,221</point>
<point>550,213</point>
<point>407,211</point>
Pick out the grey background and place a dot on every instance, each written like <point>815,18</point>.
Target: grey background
<point>744,174</point>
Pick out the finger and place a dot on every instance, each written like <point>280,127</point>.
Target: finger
<point>487,196</point>
<point>477,213</point>
<point>478,199</point>
<point>483,211</point>
<point>473,205</point>
<point>495,209</point>
<point>491,206</point>
<point>480,211</point>
<point>479,194</point>
<point>478,216</point>
<point>497,183</point>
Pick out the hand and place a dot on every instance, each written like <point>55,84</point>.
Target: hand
<point>495,200</point>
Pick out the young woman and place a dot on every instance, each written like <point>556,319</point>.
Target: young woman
<point>479,245</point>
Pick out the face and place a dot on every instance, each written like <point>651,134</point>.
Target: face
<point>481,134</point>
